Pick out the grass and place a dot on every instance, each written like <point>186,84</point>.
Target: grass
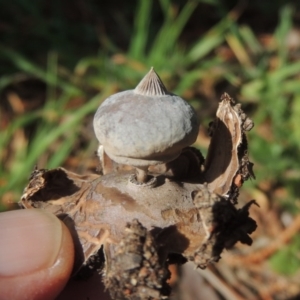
<point>263,75</point>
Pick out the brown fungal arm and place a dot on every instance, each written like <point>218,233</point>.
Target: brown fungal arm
<point>227,155</point>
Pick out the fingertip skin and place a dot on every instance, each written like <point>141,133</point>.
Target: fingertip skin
<point>44,284</point>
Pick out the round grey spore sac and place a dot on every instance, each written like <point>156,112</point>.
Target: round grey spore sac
<point>145,126</point>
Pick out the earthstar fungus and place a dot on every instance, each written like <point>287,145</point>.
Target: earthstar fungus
<point>134,230</point>
<point>145,126</point>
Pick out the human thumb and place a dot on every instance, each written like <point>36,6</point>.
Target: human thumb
<point>36,255</point>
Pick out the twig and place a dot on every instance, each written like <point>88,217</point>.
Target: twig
<point>219,284</point>
<point>261,255</point>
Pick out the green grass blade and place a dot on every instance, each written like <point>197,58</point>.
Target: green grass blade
<point>48,135</point>
<point>281,32</point>
<point>167,38</point>
<point>250,39</point>
<point>29,67</point>
<point>141,28</point>
<point>165,6</point>
<point>213,38</point>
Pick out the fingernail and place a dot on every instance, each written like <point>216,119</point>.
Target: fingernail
<point>30,240</point>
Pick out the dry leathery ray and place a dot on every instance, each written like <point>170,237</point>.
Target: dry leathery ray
<point>199,229</point>
<point>227,165</point>
<point>139,226</point>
